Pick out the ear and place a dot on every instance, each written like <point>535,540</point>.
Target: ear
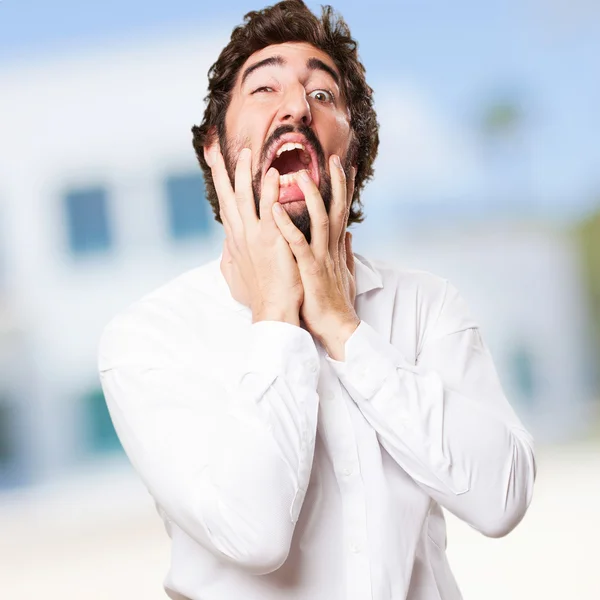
<point>211,146</point>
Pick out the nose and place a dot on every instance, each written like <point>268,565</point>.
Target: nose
<point>295,108</point>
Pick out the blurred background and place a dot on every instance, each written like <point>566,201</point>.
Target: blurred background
<point>488,174</point>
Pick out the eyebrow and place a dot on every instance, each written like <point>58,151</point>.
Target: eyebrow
<point>315,64</point>
<point>312,64</point>
<point>266,62</point>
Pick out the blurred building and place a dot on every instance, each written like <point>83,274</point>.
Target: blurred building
<point>101,200</point>
<point>523,281</point>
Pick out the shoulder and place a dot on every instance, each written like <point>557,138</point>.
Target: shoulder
<point>403,281</point>
<point>421,299</point>
<point>151,327</point>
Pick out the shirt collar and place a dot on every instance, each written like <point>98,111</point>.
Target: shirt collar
<point>367,279</point>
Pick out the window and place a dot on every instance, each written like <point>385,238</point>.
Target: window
<point>87,220</point>
<point>188,210</point>
<point>9,469</point>
<point>6,437</point>
<point>101,436</point>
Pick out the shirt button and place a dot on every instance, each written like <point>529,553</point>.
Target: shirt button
<point>354,548</point>
<point>347,471</point>
<point>313,366</point>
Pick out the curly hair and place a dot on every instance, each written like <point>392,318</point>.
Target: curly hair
<point>292,21</point>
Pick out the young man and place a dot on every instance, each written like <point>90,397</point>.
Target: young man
<point>299,414</point>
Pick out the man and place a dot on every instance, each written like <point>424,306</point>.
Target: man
<point>299,414</point>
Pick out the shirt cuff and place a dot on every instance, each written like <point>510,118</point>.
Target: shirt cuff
<point>279,349</point>
<point>369,361</point>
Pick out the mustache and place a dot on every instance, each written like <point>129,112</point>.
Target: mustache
<point>304,130</point>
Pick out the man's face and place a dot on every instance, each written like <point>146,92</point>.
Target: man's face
<point>287,107</point>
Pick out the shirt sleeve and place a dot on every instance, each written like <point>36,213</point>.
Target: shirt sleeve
<point>446,420</point>
<point>228,463</point>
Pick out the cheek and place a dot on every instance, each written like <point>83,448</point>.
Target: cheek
<point>338,136</point>
<point>236,126</point>
<point>245,131</point>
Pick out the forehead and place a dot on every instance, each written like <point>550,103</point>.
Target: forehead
<point>296,55</point>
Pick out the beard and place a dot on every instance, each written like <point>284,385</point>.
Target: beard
<point>299,216</point>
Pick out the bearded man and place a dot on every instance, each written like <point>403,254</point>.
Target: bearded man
<point>299,413</point>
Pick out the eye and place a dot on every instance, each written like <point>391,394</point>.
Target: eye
<point>324,96</point>
<point>263,88</point>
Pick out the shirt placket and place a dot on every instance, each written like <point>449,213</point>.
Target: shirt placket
<point>341,441</point>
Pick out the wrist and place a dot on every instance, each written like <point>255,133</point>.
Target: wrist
<point>276,314</point>
<point>335,338</point>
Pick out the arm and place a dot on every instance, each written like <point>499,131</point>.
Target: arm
<point>446,421</point>
<point>229,466</point>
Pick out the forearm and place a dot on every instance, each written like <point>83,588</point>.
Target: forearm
<point>229,467</point>
<point>447,423</point>
<point>471,461</point>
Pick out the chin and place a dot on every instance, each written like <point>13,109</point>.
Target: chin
<point>300,217</point>
<point>296,206</point>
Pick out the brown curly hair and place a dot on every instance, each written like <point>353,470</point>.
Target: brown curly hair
<point>292,21</point>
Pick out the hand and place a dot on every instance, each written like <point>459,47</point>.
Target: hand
<point>327,264</point>
<point>257,263</point>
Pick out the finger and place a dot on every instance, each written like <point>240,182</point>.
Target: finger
<point>319,220</point>
<point>350,192</point>
<point>341,262</point>
<point>349,196</point>
<point>295,238</point>
<point>244,195</point>
<point>349,253</point>
<point>338,209</point>
<point>269,195</point>
<point>227,257</point>
<point>225,193</point>
<point>226,267</point>
<point>230,238</point>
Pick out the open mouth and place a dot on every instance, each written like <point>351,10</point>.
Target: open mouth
<point>291,155</point>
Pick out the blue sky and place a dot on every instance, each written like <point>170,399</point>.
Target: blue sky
<point>460,54</point>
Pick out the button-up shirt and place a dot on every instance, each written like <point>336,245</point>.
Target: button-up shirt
<point>281,473</point>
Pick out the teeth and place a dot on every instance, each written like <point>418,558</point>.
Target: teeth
<point>291,146</point>
<point>288,178</point>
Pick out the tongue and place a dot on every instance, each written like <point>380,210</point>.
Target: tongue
<point>288,162</point>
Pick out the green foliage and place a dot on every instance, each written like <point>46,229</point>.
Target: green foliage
<point>502,117</point>
<point>588,235</point>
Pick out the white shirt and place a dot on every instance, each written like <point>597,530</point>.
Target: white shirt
<point>281,473</point>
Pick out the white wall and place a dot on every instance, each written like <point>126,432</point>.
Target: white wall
<point>523,282</point>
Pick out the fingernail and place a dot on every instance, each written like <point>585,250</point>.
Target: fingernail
<point>277,208</point>
<point>273,173</point>
<point>245,153</point>
<point>304,174</point>
<point>336,161</point>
